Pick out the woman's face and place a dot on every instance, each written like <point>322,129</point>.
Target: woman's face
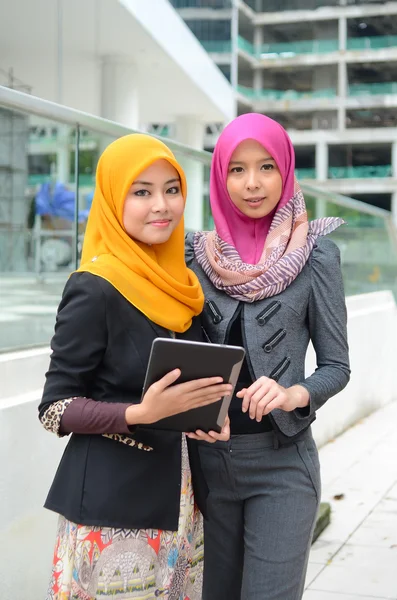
<point>154,204</point>
<point>254,181</point>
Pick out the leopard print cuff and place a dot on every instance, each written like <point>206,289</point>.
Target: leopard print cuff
<point>51,418</point>
<point>51,421</point>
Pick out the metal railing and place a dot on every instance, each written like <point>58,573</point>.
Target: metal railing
<point>33,105</point>
<point>50,247</point>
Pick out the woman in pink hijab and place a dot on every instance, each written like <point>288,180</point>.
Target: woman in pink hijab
<point>273,283</point>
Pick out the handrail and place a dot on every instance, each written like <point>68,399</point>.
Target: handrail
<point>15,100</point>
<point>346,202</point>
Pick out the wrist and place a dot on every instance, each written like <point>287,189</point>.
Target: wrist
<point>135,414</point>
<point>301,396</point>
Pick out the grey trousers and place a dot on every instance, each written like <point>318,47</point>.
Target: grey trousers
<point>262,509</point>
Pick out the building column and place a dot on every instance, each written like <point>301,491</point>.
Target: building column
<point>394,175</point>
<point>342,32</point>
<point>63,154</point>
<point>258,38</point>
<point>120,91</point>
<point>321,175</point>
<point>191,131</point>
<point>234,40</point>
<point>394,208</point>
<point>258,81</point>
<point>342,74</point>
<point>321,161</point>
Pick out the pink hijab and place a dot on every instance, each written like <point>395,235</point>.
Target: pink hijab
<point>245,234</point>
<point>251,259</point>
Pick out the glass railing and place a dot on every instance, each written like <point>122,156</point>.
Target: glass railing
<point>362,172</point>
<point>290,5</point>
<point>44,208</point>
<point>286,50</point>
<point>372,43</point>
<point>305,174</point>
<point>362,89</point>
<point>218,46</point>
<point>245,46</point>
<point>270,94</point>
<point>290,49</point>
<point>368,240</point>
<point>248,92</point>
<point>215,4</point>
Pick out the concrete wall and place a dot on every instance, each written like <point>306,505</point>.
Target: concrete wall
<point>372,334</point>
<point>29,455</point>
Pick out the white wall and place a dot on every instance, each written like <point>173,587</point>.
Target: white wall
<point>66,68</point>
<point>185,50</point>
<point>81,88</point>
<point>28,458</point>
<point>372,330</point>
<point>29,455</point>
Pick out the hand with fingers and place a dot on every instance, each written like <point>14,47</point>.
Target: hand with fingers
<point>212,436</point>
<point>265,394</point>
<point>163,399</point>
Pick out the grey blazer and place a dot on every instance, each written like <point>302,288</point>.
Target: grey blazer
<point>277,331</point>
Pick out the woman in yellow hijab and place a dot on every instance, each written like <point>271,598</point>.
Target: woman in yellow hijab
<point>153,278</point>
<point>129,526</point>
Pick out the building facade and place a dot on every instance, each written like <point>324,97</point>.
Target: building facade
<point>326,70</point>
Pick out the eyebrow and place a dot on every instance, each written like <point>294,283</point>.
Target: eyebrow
<point>140,182</point>
<point>241,162</point>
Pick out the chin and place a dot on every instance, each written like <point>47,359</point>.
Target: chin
<point>160,238</point>
<point>255,214</point>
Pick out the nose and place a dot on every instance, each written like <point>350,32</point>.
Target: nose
<point>159,204</point>
<point>252,181</point>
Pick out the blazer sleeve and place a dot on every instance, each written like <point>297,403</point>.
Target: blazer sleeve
<point>79,341</point>
<point>327,320</point>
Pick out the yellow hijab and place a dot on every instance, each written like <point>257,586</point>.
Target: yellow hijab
<point>155,278</point>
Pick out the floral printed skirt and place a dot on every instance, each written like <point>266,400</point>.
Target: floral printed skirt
<point>95,563</point>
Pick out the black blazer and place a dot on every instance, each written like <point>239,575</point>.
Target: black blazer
<point>100,350</point>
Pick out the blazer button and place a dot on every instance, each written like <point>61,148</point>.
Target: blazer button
<point>274,340</point>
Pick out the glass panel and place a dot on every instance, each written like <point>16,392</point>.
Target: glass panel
<point>246,46</point>
<point>38,248</point>
<point>197,212</point>
<point>281,5</point>
<point>375,42</point>
<point>300,47</point>
<point>37,233</point>
<point>215,4</point>
<point>361,89</point>
<point>367,242</point>
<point>220,46</point>
<point>270,94</point>
<point>91,145</point>
<point>40,214</point>
<point>305,174</point>
<point>361,172</point>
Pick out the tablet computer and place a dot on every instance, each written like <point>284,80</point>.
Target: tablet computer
<point>195,360</point>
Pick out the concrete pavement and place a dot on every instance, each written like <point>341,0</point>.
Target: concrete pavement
<point>355,558</point>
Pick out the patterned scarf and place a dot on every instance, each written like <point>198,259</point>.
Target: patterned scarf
<point>288,245</point>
